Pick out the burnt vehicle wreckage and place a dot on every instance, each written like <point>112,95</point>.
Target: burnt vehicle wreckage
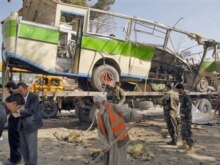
<point>97,48</point>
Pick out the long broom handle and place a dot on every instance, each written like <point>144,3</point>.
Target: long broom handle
<point>110,146</point>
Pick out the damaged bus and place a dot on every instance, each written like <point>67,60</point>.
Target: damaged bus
<point>98,48</point>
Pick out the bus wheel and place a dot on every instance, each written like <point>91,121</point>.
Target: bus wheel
<point>104,75</point>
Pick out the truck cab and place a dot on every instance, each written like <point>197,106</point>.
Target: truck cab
<point>46,84</point>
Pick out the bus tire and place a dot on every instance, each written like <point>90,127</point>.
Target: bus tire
<point>99,77</point>
<point>49,109</point>
<point>205,106</point>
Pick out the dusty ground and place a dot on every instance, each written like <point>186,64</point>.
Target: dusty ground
<point>57,152</point>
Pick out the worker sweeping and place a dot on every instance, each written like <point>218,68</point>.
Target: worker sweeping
<point>111,121</point>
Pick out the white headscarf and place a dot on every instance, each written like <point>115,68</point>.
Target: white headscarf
<point>99,98</point>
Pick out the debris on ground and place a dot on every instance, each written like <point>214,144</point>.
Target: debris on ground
<point>60,136</point>
<point>164,133</point>
<point>94,153</point>
<point>74,137</point>
<point>146,145</point>
<point>136,149</point>
<point>140,151</point>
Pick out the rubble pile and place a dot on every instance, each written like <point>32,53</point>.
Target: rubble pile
<point>72,137</point>
<point>164,132</point>
<point>94,152</point>
<point>140,151</point>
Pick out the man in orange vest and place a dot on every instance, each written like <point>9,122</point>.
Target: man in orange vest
<point>111,120</point>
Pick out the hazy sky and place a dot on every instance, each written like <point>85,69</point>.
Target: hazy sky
<point>200,16</point>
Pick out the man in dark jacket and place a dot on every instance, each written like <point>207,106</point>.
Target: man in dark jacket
<point>186,119</point>
<point>11,105</point>
<point>13,134</point>
<point>29,123</point>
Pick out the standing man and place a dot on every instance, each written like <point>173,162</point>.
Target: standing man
<point>11,87</point>
<point>117,94</point>
<point>29,123</point>
<point>13,134</point>
<point>111,126</point>
<point>11,105</point>
<point>186,119</point>
<point>170,103</point>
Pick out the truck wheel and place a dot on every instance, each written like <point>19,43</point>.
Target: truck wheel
<point>104,75</point>
<point>205,106</point>
<point>84,115</point>
<point>144,105</point>
<point>49,109</point>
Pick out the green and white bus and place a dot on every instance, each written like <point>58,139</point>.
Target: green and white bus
<point>99,47</point>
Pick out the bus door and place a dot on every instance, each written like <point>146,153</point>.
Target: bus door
<point>70,28</point>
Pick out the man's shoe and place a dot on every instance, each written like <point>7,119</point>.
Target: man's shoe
<point>189,150</point>
<point>11,163</point>
<point>172,142</point>
<point>184,146</point>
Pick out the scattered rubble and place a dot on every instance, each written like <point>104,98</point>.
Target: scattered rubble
<point>164,133</point>
<point>94,153</point>
<point>146,146</point>
<point>140,151</point>
<point>74,137</point>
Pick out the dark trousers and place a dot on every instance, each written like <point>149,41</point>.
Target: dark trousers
<point>14,139</point>
<point>186,131</point>
<point>29,147</point>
